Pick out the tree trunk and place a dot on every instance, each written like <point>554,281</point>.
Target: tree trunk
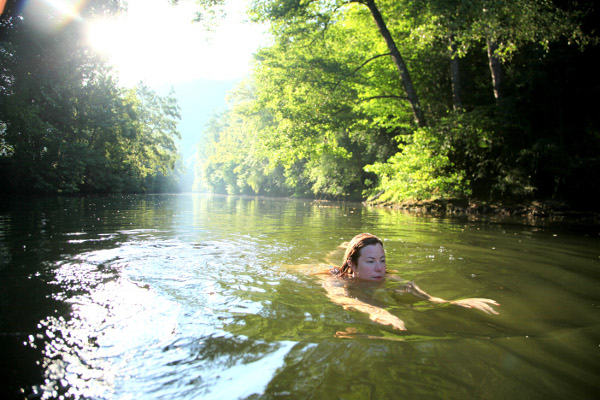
<point>411,94</point>
<point>455,77</point>
<point>495,69</point>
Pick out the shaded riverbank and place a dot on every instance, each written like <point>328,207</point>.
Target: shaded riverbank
<point>531,213</point>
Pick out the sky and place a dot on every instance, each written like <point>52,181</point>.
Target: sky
<point>158,44</point>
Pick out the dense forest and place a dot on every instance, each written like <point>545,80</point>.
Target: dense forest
<point>350,99</point>
<point>400,99</point>
<point>66,126</point>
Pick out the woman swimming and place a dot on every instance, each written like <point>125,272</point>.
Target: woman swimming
<point>364,259</point>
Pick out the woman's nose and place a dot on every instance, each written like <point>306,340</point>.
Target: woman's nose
<point>379,266</point>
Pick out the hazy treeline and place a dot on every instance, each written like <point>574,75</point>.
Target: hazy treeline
<point>66,126</point>
<point>491,99</point>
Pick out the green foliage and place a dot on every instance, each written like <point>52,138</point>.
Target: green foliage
<point>324,104</point>
<point>66,126</point>
<point>297,128</point>
<point>319,114</point>
<point>421,170</point>
<point>151,133</point>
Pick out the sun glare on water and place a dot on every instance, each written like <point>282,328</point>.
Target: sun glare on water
<point>158,43</point>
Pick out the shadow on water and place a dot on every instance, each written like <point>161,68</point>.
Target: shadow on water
<point>193,296</point>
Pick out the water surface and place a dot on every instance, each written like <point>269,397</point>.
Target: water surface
<point>197,296</point>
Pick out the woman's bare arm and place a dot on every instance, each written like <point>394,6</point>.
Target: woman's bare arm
<point>339,295</point>
<point>484,305</point>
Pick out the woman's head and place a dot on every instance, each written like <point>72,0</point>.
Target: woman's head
<point>364,258</point>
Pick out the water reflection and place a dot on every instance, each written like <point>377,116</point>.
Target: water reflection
<point>191,297</point>
<point>140,312</point>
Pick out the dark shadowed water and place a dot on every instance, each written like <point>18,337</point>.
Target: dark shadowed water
<point>207,297</point>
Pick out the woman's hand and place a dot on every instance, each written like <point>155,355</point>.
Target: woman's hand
<point>388,319</point>
<point>480,304</point>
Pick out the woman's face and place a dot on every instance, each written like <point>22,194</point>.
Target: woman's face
<point>371,263</point>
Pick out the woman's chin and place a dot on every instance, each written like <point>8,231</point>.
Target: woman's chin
<point>370,279</point>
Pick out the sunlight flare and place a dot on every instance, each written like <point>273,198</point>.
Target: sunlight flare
<point>63,12</point>
<point>158,43</point>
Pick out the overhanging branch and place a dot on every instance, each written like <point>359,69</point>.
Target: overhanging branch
<point>369,60</point>
<point>386,96</point>
<point>359,68</point>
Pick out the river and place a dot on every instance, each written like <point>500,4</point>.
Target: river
<point>210,297</point>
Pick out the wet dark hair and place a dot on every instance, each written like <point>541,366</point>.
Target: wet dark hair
<point>353,251</point>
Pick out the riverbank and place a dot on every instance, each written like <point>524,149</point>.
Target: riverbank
<point>534,211</point>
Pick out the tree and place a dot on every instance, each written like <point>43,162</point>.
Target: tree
<point>66,126</point>
<point>287,15</point>
<point>506,26</point>
<point>151,140</point>
<point>331,102</point>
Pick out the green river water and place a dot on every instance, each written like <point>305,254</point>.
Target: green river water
<point>210,297</point>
